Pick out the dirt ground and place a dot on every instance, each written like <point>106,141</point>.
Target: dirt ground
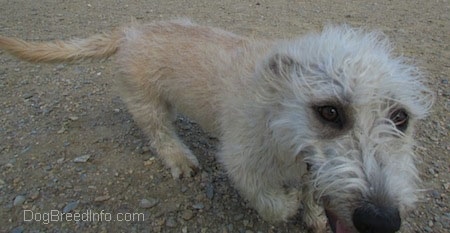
<point>68,144</point>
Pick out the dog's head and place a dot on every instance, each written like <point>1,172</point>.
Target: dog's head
<point>347,108</point>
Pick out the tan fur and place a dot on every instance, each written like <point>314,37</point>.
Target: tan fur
<point>98,46</point>
<point>263,100</point>
<point>155,83</point>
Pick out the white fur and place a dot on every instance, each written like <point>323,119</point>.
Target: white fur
<point>268,133</point>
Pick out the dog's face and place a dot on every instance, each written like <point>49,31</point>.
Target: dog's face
<point>347,109</point>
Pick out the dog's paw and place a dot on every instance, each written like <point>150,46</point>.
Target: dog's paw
<point>318,225</point>
<point>184,165</point>
<point>184,170</point>
<point>314,218</point>
<point>179,159</point>
<point>277,207</point>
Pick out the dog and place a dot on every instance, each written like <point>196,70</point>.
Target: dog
<point>323,122</point>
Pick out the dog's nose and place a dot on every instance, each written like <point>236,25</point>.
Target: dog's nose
<point>373,219</point>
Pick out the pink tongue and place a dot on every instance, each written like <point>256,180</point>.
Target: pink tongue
<point>340,228</point>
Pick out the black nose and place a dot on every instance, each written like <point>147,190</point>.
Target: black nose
<point>373,219</point>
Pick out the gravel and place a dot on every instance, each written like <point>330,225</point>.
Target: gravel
<point>148,203</point>
<point>68,143</point>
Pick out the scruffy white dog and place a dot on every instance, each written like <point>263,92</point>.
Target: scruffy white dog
<point>323,122</point>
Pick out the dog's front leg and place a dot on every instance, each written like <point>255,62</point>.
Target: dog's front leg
<point>262,186</point>
<point>313,214</point>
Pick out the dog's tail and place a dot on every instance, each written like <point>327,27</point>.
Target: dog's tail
<point>97,46</point>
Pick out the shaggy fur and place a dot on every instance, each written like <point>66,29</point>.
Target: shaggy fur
<point>323,122</point>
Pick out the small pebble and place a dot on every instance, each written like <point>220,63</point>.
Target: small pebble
<point>18,229</point>
<point>247,223</point>
<point>73,118</point>
<point>102,198</point>
<point>445,220</point>
<point>60,67</point>
<point>148,162</point>
<point>62,130</point>
<point>19,200</point>
<point>70,206</point>
<point>238,217</point>
<point>60,160</point>
<point>209,191</point>
<point>446,186</point>
<point>230,227</point>
<point>148,203</point>
<point>145,149</point>
<point>34,195</point>
<point>435,194</point>
<point>48,168</point>
<point>82,159</point>
<point>187,215</point>
<point>224,230</point>
<point>198,206</point>
<point>170,222</point>
<point>28,95</point>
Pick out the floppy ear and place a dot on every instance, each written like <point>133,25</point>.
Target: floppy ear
<point>280,64</point>
<point>275,75</point>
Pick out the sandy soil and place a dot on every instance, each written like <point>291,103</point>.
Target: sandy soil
<point>68,144</point>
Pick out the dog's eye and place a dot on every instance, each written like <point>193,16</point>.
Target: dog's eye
<point>329,113</point>
<point>400,119</point>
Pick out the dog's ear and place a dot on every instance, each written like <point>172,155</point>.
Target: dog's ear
<point>280,64</point>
